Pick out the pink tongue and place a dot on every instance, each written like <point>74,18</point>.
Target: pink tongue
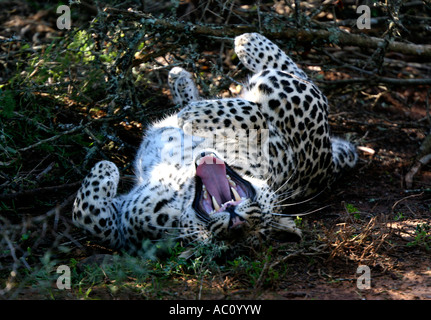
<point>212,171</point>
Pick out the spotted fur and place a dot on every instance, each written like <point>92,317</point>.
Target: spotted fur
<point>281,112</point>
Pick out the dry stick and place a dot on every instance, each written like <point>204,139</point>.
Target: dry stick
<point>53,138</point>
<point>376,79</point>
<point>342,38</point>
<point>81,127</point>
<point>408,197</point>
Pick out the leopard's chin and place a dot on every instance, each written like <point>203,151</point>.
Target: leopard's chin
<point>219,189</point>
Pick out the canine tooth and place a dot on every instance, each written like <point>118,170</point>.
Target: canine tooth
<point>215,204</point>
<point>205,194</point>
<point>235,194</point>
<point>231,182</point>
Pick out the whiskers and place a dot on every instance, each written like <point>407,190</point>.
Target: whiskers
<point>278,205</point>
<point>299,214</point>
<point>268,193</point>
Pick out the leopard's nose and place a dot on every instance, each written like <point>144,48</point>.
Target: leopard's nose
<point>236,221</point>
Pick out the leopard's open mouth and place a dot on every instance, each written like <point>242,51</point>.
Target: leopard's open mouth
<point>218,187</point>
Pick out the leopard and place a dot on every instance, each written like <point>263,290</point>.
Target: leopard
<point>222,170</point>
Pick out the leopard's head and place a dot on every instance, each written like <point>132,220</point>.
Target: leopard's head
<point>238,210</point>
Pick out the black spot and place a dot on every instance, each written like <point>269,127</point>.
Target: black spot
<point>102,222</point>
<point>161,219</point>
<point>265,73</point>
<point>292,121</point>
<point>78,215</point>
<point>301,126</point>
<point>296,100</point>
<point>286,86</point>
<point>97,229</point>
<point>160,204</point>
<point>313,112</point>
<point>265,89</point>
<point>273,104</point>
<point>314,93</point>
<point>299,86</point>
<point>281,113</point>
<point>274,82</point>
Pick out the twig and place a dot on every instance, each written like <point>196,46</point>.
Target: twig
<point>301,252</point>
<point>53,138</point>
<point>81,127</point>
<point>408,197</point>
<point>376,79</point>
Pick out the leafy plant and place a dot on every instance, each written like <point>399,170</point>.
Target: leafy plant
<point>422,237</point>
<point>351,208</point>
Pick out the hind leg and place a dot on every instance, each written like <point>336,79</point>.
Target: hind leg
<point>257,53</point>
<point>95,207</point>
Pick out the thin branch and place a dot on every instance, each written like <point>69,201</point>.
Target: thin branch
<point>81,127</point>
<point>376,79</point>
<point>342,38</point>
